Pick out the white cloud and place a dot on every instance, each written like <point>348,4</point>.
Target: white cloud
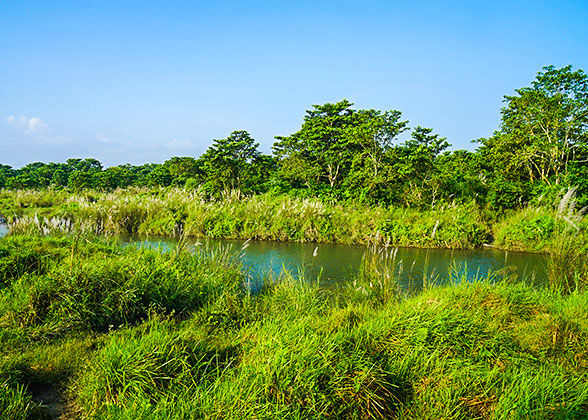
<point>35,125</point>
<point>31,125</point>
<point>103,139</point>
<point>176,145</point>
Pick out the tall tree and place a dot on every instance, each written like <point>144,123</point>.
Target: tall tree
<point>316,153</point>
<point>79,180</point>
<point>337,146</point>
<point>6,172</point>
<point>417,166</point>
<point>84,165</point>
<point>226,164</point>
<point>182,168</point>
<point>544,129</point>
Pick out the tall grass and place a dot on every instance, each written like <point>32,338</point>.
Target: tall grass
<point>265,217</point>
<point>531,229</point>
<point>568,265</point>
<point>469,351</point>
<point>15,403</point>
<point>130,333</point>
<point>379,275</point>
<point>540,228</point>
<point>96,285</point>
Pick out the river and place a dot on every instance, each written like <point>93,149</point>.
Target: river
<point>335,263</point>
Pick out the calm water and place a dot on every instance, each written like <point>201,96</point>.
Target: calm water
<point>334,263</point>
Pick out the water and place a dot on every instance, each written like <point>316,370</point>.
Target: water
<point>334,263</point>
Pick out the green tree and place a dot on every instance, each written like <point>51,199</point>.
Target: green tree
<point>337,148</point>
<point>159,176</point>
<point>543,132</point>
<point>578,174</point>
<point>21,181</point>
<point>79,180</point>
<point>6,173</point>
<point>141,173</point>
<point>114,177</point>
<point>39,173</point>
<point>84,165</point>
<point>60,178</point>
<point>124,175</point>
<point>417,166</point>
<point>458,176</point>
<point>182,168</point>
<point>227,163</point>
<point>260,173</point>
<point>318,153</point>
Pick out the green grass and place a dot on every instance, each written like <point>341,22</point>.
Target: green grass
<point>91,330</point>
<point>562,233</point>
<point>468,351</point>
<point>15,403</point>
<point>85,283</point>
<point>174,211</point>
<point>532,229</point>
<point>543,228</point>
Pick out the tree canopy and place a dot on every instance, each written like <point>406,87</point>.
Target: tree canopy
<point>336,143</point>
<point>543,132</point>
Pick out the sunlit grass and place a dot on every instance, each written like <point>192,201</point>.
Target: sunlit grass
<point>93,330</point>
<point>174,211</point>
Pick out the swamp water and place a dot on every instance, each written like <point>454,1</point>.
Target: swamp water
<point>336,263</point>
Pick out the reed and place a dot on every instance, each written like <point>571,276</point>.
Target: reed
<point>379,275</point>
<point>567,266</point>
<point>174,211</point>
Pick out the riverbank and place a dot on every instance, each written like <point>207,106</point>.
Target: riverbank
<point>263,217</point>
<point>93,330</point>
<point>174,211</point>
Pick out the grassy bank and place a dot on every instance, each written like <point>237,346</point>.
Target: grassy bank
<point>263,217</point>
<point>171,212</point>
<point>92,330</point>
<point>539,229</point>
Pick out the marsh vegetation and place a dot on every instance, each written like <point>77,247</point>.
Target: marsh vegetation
<point>94,330</point>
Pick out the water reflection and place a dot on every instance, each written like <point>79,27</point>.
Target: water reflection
<point>334,263</point>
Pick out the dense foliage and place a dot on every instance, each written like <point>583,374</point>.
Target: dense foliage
<point>543,139</point>
<point>540,149</point>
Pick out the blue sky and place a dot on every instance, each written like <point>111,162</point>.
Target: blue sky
<point>141,81</point>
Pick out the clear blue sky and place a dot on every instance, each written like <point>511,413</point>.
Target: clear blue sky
<point>141,81</point>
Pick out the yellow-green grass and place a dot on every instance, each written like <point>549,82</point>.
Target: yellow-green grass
<point>97,331</point>
<point>174,211</point>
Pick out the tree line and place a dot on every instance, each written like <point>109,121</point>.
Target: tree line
<point>540,148</point>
